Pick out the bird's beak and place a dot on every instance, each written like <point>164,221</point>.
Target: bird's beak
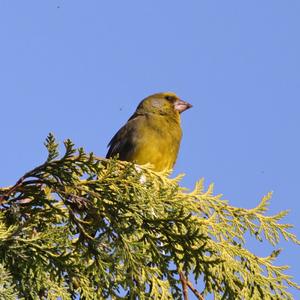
<point>181,105</point>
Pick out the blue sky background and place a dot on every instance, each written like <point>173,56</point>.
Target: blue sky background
<point>79,68</point>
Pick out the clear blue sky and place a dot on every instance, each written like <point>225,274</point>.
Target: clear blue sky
<point>79,68</point>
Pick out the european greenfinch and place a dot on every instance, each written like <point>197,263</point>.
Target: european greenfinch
<point>153,134</point>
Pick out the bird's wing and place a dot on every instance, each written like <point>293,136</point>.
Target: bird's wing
<point>123,142</point>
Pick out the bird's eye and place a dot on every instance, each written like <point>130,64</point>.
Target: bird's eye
<point>169,98</point>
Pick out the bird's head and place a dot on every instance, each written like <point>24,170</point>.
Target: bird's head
<point>167,103</point>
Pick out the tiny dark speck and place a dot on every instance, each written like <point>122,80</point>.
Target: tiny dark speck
<point>58,7</point>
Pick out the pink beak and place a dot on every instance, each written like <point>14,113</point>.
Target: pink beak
<point>181,105</point>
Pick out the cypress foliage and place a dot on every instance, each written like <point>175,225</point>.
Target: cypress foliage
<point>81,226</point>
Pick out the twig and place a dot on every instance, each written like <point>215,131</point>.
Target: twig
<point>11,189</point>
<point>185,284</point>
<point>190,285</point>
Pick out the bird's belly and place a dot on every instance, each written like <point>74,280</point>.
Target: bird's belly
<point>157,150</point>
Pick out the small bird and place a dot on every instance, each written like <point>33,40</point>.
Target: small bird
<point>152,134</point>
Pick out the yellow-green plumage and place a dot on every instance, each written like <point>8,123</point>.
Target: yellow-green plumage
<point>153,134</point>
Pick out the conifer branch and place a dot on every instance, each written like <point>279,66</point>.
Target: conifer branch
<point>85,226</point>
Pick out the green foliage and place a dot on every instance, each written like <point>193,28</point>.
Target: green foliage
<point>82,225</point>
<point>7,288</point>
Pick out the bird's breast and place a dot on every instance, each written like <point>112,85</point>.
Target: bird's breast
<point>158,142</point>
